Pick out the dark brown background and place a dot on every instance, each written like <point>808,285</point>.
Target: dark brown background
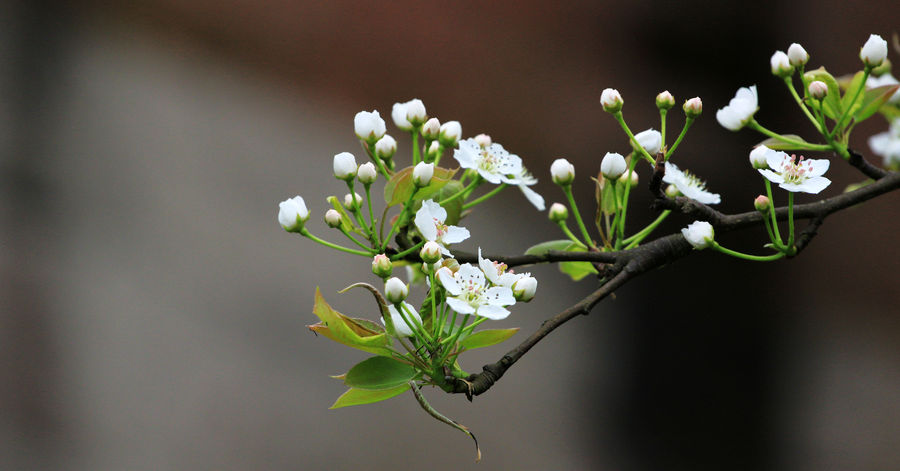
<point>153,313</point>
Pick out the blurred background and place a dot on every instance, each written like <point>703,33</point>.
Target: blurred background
<point>153,314</point>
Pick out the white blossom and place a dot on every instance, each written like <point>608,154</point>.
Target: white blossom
<point>395,290</point>
<point>611,100</point>
<point>468,293</point>
<point>430,223</point>
<point>758,157</point>
<point>366,173</point>
<point>740,109</point>
<point>613,165</point>
<point>874,51</point>
<point>562,171</point>
<point>650,140</point>
<point>386,147</point>
<point>496,272</point>
<point>796,174</point>
<point>797,55</point>
<point>422,174</point>
<point>492,162</point>
<point>400,113</point>
<point>368,125</point>
<point>450,133</point>
<point>292,213</point>
<point>344,166</point>
<point>887,144</point>
<point>689,185</point>
<point>524,288</point>
<point>781,64</point>
<point>699,234</point>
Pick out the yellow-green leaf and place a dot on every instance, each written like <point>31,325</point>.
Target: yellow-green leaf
<point>379,373</point>
<point>357,333</point>
<point>355,397</point>
<point>400,187</point>
<point>544,247</point>
<point>777,144</point>
<point>486,338</point>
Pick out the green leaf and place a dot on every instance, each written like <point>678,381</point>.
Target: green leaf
<point>776,144</point>
<point>544,247</point>
<point>346,222</point>
<point>577,270</point>
<point>379,373</point>
<point>873,100</point>
<point>832,102</point>
<point>851,90</point>
<point>400,187</point>
<point>357,333</point>
<point>356,397</point>
<point>486,338</point>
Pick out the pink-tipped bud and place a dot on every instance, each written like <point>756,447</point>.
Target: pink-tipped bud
<point>761,203</point>
<point>483,140</point>
<point>431,252</point>
<point>818,89</point>
<point>431,129</point>
<point>332,218</point>
<point>611,100</point>
<point>693,107</point>
<point>665,100</point>
<point>382,266</point>
<point>558,212</point>
<point>563,172</point>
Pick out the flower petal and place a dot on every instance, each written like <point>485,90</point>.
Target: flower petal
<point>455,235</point>
<point>492,312</point>
<point>499,296</point>
<point>460,306</point>
<point>445,276</point>
<point>810,185</point>
<point>771,176</point>
<point>425,223</point>
<point>467,274</point>
<point>818,167</point>
<point>533,197</point>
<point>488,267</point>
<point>436,210</point>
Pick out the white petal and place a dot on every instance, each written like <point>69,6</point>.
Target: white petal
<point>469,274</point>
<point>436,210</point>
<point>425,223</point>
<point>487,266</point>
<point>445,276</point>
<point>493,312</point>
<point>818,167</point>
<point>771,176</point>
<point>533,197</point>
<point>455,235</point>
<point>672,173</point>
<point>507,279</point>
<point>466,153</point>
<point>880,142</point>
<point>776,160</point>
<point>499,296</point>
<point>728,119</point>
<point>701,196</point>
<point>459,306</point>
<point>811,185</point>
<point>490,176</point>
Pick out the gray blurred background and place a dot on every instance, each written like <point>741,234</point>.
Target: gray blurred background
<point>153,313</point>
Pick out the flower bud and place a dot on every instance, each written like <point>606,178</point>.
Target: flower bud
<point>761,203</point>
<point>382,266</point>
<point>395,290</point>
<point>781,64</point>
<point>611,100</point>
<point>797,55</point>
<point>665,100</point>
<point>398,114</point>
<point>693,107</point>
<point>368,126</point>
<point>366,173</point>
<point>758,157</point>
<point>562,171</point>
<point>431,252</point>
<point>613,165</point>
<point>292,213</point>
<point>386,147</point>
<point>650,140</point>
<point>483,140</point>
<point>631,178</point>
<point>429,268</point>
<point>558,212</point>
<point>344,166</point>
<point>699,234</point>
<point>524,288</point>
<point>431,129</point>
<point>353,201</point>
<point>434,150</point>
<point>422,174</point>
<point>818,89</point>
<point>450,133</point>
<point>332,218</point>
<point>672,191</point>
<point>415,112</point>
<point>450,264</point>
<point>874,51</point>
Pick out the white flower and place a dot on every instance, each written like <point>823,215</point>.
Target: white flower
<point>562,171</point>
<point>496,272</point>
<point>395,290</point>
<point>689,185</point>
<point>819,90</point>
<point>482,140</point>
<point>613,165</point>
<point>874,51</point>
<point>558,212</point>
<point>611,100</point>
<point>431,252</point>
<point>492,162</point>
<point>781,64</point>
<point>385,147</point>
<point>292,213</point>
<point>367,173</point>
<point>368,125</point>
<point>332,218</point>
<point>650,140</point>
<point>469,294</point>
<point>794,174</point>
<point>451,131</point>
<point>352,201</point>
<point>431,129</point>
<point>400,113</point>
<point>430,223</point>
<point>699,234</point>
<point>887,144</point>
<point>758,157</point>
<point>422,174</point>
<point>797,55</point>
<point>740,109</point>
<point>344,166</point>
<point>885,79</point>
<point>524,288</point>
<point>523,180</point>
<point>401,328</point>
<point>693,107</point>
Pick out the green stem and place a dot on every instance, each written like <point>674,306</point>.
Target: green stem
<point>415,144</point>
<point>354,239</point>
<point>371,153</point>
<point>769,230</point>
<point>436,334</point>
<point>413,323</point>
<point>374,239</point>
<point>475,182</point>
<point>305,232</point>
<point>800,144</point>
<point>408,251</point>
<point>789,82</point>
<point>567,189</point>
<point>636,239</point>
<point>688,121</point>
<point>790,242</point>
<point>399,221</point>
<point>777,241</point>
<point>662,125</point>
<point>754,258</point>
<point>624,205</point>
<point>485,197</point>
<point>634,142</point>
<point>568,233</point>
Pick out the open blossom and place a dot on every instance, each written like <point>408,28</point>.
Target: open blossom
<point>699,234</point>
<point>740,109</point>
<point>796,174</point>
<point>523,180</point>
<point>496,272</point>
<point>492,162</point>
<point>430,223</point>
<point>401,328</point>
<point>887,144</point>
<point>468,293</point>
<point>689,185</point>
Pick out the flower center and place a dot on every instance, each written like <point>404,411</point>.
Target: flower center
<point>441,227</point>
<point>694,181</point>
<point>795,170</point>
<point>488,161</point>
<point>473,293</point>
